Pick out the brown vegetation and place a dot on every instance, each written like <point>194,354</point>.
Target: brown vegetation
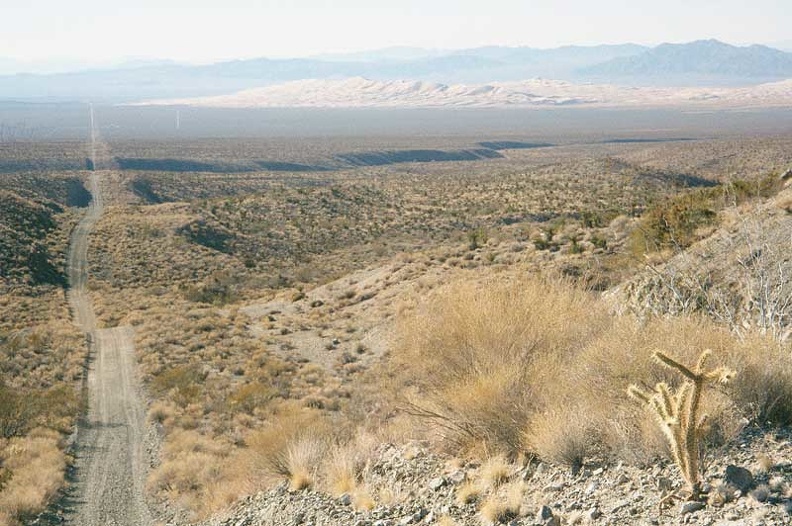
<point>281,318</point>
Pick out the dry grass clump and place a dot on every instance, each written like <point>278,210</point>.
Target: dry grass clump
<point>34,468</point>
<point>292,448</point>
<point>563,435</point>
<point>472,354</point>
<point>204,475</point>
<point>503,507</point>
<point>538,366</point>
<point>468,493</point>
<point>345,470</point>
<point>763,387</point>
<point>494,472</point>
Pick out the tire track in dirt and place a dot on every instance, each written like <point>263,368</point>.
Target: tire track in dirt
<point>111,461</point>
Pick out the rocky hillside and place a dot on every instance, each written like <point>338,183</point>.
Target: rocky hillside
<point>740,275</point>
<point>749,486</point>
<point>34,226</point>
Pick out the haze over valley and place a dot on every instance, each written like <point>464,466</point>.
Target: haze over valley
<point>703,63</point>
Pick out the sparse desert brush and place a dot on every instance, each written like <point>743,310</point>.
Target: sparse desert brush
<point>193,469</point>
<point>161,412</point>
<point>37,466</point>
<point>251,396</point>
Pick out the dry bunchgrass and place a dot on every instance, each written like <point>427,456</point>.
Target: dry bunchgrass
<point>564,436</point>
<point>293,447</point>
<point>468,493</point>
<point>504,506</point>
<point>494,472</point>
<point>348,461</point>
<point>471,354</point>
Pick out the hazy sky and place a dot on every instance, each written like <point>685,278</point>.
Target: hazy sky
<point>203,31</point>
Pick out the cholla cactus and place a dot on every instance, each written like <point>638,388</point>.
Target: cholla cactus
<point>677,414</point>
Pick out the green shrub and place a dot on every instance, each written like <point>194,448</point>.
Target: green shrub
<point>183,384</point>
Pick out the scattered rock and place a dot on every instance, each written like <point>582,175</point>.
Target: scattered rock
<point>457,477</point>
<point>739,478</point>
<point>618,496</point>
<point>544,514</point>
<point>691,507</point>
<point>437,483</point>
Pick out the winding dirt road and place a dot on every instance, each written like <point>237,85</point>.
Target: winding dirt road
<point>111,460</point>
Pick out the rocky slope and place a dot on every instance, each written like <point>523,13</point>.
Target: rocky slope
<point>740,275</point>
<point>749,485</point>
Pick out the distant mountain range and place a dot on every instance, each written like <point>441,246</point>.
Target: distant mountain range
<point>700,63</point>
<point>700,58</point>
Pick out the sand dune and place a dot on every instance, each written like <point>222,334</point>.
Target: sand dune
<point>363,93</point>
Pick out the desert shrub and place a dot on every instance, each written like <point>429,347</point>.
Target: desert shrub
<point>472,353</point>
<point>741,190</point>
<point>539,366</point>
<point>673,224</point>
<point>250,396</point>
<point>477,238</point>
<point>15,413</point>
<point>22,409</point>
<point>220,288</point>
<point>763,385</point>
<point>183,384</point>
<point>565,436</point>
<point>195,473</point>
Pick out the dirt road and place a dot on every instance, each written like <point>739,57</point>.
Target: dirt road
<point>111,459</point>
